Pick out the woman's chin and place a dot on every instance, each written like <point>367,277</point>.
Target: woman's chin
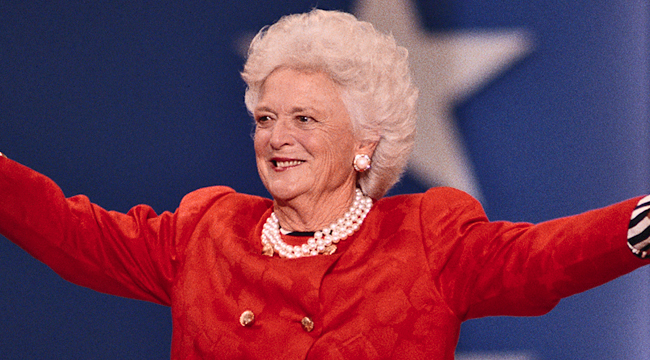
<point>283,194</point>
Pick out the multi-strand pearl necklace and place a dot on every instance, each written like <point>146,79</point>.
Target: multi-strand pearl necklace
<point>323,241</point>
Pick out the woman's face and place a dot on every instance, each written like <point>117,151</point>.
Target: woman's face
<point>304,143</point>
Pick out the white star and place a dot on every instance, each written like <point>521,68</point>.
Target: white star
<point>447,67</point>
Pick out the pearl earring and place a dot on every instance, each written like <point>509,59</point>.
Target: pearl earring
<point>361,162</point>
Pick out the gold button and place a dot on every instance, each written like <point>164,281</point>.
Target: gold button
<point>247,318</point>
<point>307,324</point>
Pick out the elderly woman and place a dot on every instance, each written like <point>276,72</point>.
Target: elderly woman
<point>329,269</point>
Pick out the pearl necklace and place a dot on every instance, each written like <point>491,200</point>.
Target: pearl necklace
<point>323,241</point>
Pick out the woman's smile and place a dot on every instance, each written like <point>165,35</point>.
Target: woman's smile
<point>284,164</point>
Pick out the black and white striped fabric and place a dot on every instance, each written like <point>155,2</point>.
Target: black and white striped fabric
<point>638,233</point>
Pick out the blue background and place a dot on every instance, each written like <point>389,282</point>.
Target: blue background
<point>141,102</point>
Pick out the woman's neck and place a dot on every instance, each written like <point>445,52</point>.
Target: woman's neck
<point>313,213</point>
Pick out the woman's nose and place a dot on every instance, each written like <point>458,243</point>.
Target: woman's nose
<point>281,134</point>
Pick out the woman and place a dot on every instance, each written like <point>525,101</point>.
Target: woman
<point>329,268</point>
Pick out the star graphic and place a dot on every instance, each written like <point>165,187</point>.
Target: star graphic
<point>447,68</point>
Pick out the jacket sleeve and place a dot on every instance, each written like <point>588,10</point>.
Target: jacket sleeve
<point>131,255</point>
<point>521,269</point>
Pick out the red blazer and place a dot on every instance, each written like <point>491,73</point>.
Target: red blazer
<point>397,289</point>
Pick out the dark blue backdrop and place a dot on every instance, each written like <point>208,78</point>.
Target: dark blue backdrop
<point>140,102</point>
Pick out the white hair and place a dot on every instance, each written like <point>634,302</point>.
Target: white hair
<point>371,69</point>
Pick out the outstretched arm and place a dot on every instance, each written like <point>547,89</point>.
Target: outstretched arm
<point>122,254</point>
<point>521,269</point>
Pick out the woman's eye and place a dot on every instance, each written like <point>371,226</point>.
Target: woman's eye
<point>262,119</point>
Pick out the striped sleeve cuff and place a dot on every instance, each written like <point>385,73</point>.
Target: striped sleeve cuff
<point>638,233</point>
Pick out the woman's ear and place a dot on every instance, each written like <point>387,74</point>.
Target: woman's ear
<point>367,147</point>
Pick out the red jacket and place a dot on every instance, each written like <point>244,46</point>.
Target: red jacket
<point>397,289</point>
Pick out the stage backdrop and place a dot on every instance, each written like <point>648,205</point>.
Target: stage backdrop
<point>141,102</point>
